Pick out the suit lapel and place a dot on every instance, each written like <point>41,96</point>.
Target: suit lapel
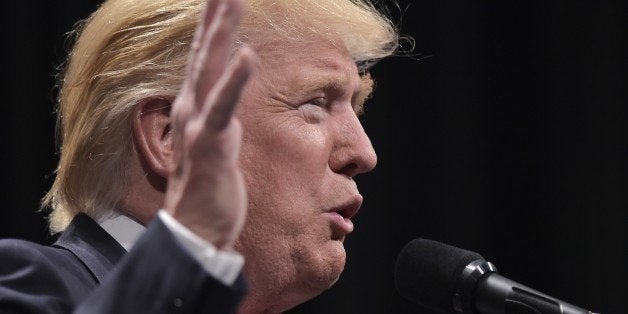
<point>96,249</point>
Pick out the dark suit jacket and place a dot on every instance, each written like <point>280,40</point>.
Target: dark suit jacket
<point>87,271</point>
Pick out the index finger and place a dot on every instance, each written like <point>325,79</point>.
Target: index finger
<point>216,46</point>
<point>208,15</point>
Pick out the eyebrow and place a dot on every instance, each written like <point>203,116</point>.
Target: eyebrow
<point>365,92</point>
<point>324,82</point>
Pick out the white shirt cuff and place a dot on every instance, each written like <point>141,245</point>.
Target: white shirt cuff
<point>222,265</point>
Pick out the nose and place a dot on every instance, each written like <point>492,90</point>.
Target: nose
<point>353,152</point>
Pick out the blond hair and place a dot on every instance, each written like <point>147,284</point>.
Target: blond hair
<point>130,50</point>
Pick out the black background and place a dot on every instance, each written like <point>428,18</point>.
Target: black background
<point>504,133</point>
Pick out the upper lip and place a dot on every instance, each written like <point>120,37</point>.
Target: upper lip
<point>349,208</point>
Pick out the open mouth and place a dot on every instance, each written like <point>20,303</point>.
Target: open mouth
<point>341,217</point>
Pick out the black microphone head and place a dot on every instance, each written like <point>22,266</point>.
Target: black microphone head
<point>427,272</point>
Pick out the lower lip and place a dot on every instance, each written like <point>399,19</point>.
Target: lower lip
<point>341,224</point>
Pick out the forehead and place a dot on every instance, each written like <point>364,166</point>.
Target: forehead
<point>312,62</point>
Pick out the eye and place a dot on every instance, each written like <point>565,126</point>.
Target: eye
<point>319,102</point>
<point>314,111</point>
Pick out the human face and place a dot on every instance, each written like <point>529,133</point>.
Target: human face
<point>302,146</point>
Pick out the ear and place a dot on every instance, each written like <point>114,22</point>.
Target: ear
<point>153,136</point>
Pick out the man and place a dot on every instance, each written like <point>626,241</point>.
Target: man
<point>244,131</point>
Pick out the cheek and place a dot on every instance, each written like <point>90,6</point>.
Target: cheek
<point>284,147</point>
<point>285,169</point>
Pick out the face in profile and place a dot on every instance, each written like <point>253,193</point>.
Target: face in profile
<point>303,144</point>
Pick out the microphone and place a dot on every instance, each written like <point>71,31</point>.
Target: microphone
<point>448,279</point>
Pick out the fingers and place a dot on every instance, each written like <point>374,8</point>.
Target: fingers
<point>223,99</point>
<point>208,15</point>
<point>215,48</point>
<point>211,90</point>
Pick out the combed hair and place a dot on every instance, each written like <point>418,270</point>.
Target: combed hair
<point>131,50</point>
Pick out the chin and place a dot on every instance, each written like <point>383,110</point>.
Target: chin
<point>315,268</point>
<point>325,269</point>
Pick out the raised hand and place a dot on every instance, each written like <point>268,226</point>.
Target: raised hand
<point>206,190</point>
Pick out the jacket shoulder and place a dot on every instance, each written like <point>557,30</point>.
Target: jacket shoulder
<point>35,277</point>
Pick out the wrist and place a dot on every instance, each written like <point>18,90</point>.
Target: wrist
<point>221,235</point>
